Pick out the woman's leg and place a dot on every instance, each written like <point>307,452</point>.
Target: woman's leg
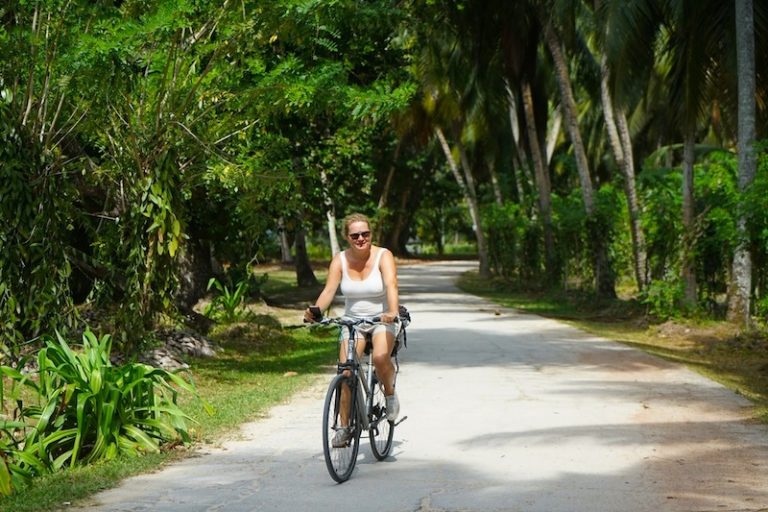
<point>383,343</point>
<point>345,391</point>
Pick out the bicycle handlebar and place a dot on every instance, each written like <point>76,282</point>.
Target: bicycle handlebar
<point>348,322</point>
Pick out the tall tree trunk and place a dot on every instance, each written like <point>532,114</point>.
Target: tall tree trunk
<point>402,220</point>
<point>552,133</point>
<point>384,197</point>
<point>305,276</point>
<point>514,123</point>
<point>621,145</point>
<point>541,175</point>
<point>285,246</point>
<point>334,239</point>
<point>467,185</point>
<point>689,237</point>
<point>385,192</point>
<point>741,285</point>
<point>441,238</point>
<point>194,271</point>
<point>633,201</point>
<point>604,276</point>
<point>391,236</point>
<point>474,207</point>
<point>568,106</point>
<point>330,214</point>
<point>497,194</point>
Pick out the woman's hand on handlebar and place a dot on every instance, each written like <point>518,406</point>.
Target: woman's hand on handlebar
<point>388,317</point>
<point>312,314</point>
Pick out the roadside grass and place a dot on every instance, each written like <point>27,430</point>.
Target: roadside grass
<point>717,350</point>
<point>258,365</point>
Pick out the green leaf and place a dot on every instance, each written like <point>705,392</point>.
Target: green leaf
<point>144,441</point>
<point>48,411</point>
<point>173,246</point>
<point>6,488</point>
<point>30,458</point>
<point>62,459</point>
<point>11,425</point>
<point>155,225</point>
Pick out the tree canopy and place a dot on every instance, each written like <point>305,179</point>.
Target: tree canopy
<point>146,146</point>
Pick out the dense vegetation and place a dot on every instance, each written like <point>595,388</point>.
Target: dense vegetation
<point>147,146</point>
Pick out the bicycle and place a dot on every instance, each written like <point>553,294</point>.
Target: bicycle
<point>365,409</point>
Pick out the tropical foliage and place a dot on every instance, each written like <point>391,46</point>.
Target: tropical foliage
<point>77,407</point>
<point>228,303</point>
<point>148,149</point>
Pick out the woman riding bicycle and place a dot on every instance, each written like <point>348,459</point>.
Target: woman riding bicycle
<point>368,279</point>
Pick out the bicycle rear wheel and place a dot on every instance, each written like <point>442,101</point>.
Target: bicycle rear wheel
<point>381,430</point>
<point>340,460</point>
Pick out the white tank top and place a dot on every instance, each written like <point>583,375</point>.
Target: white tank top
<point>367,297</point>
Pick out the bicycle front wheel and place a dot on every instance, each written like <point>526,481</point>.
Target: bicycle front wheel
<point>381,429</point>
<point>341,442</point>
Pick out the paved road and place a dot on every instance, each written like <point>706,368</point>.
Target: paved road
<point>506,412</point>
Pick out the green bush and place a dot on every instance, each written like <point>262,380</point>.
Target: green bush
<point>717,200</point>
<point>35,227</point>
<point>461,249</point>
<point>505,227</point>
<point>659,191</point>
<point>79,408</point>
<point>569,224</point>
<point>756,208</point>
<point>227,305</point>
<point>663,297</point>
<point>515,244</point>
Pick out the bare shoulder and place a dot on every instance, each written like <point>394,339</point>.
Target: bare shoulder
<point>335,263</point>
<point>387,258</point>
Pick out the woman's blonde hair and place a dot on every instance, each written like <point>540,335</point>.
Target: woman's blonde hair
<point>352,218</point>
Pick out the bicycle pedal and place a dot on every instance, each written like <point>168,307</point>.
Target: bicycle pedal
<point>401,420</point>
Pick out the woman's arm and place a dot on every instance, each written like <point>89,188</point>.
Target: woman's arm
<point>389,275</point>
<point>326,297</point>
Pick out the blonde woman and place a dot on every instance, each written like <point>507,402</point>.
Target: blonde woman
<point>368,278</point>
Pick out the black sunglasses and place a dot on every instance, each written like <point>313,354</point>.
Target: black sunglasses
<point>364,234</point>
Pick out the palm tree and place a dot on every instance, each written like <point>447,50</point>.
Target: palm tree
<point>541,175</point>
<point>604,275</point>
<point>519,40</point>
<point>621,146</point>
<point>665,35</point>
<point>619,138</point>
<point>692,63</point>
<point>453,93</point>
<point>467,185</point>
<point>739,303</point>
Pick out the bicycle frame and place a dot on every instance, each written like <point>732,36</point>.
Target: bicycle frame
<point>362,376</point>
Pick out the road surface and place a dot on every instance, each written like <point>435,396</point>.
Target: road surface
<point>506,412</point>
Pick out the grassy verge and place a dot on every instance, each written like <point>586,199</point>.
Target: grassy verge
<point>259,365</point>
<point>717,350</point>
